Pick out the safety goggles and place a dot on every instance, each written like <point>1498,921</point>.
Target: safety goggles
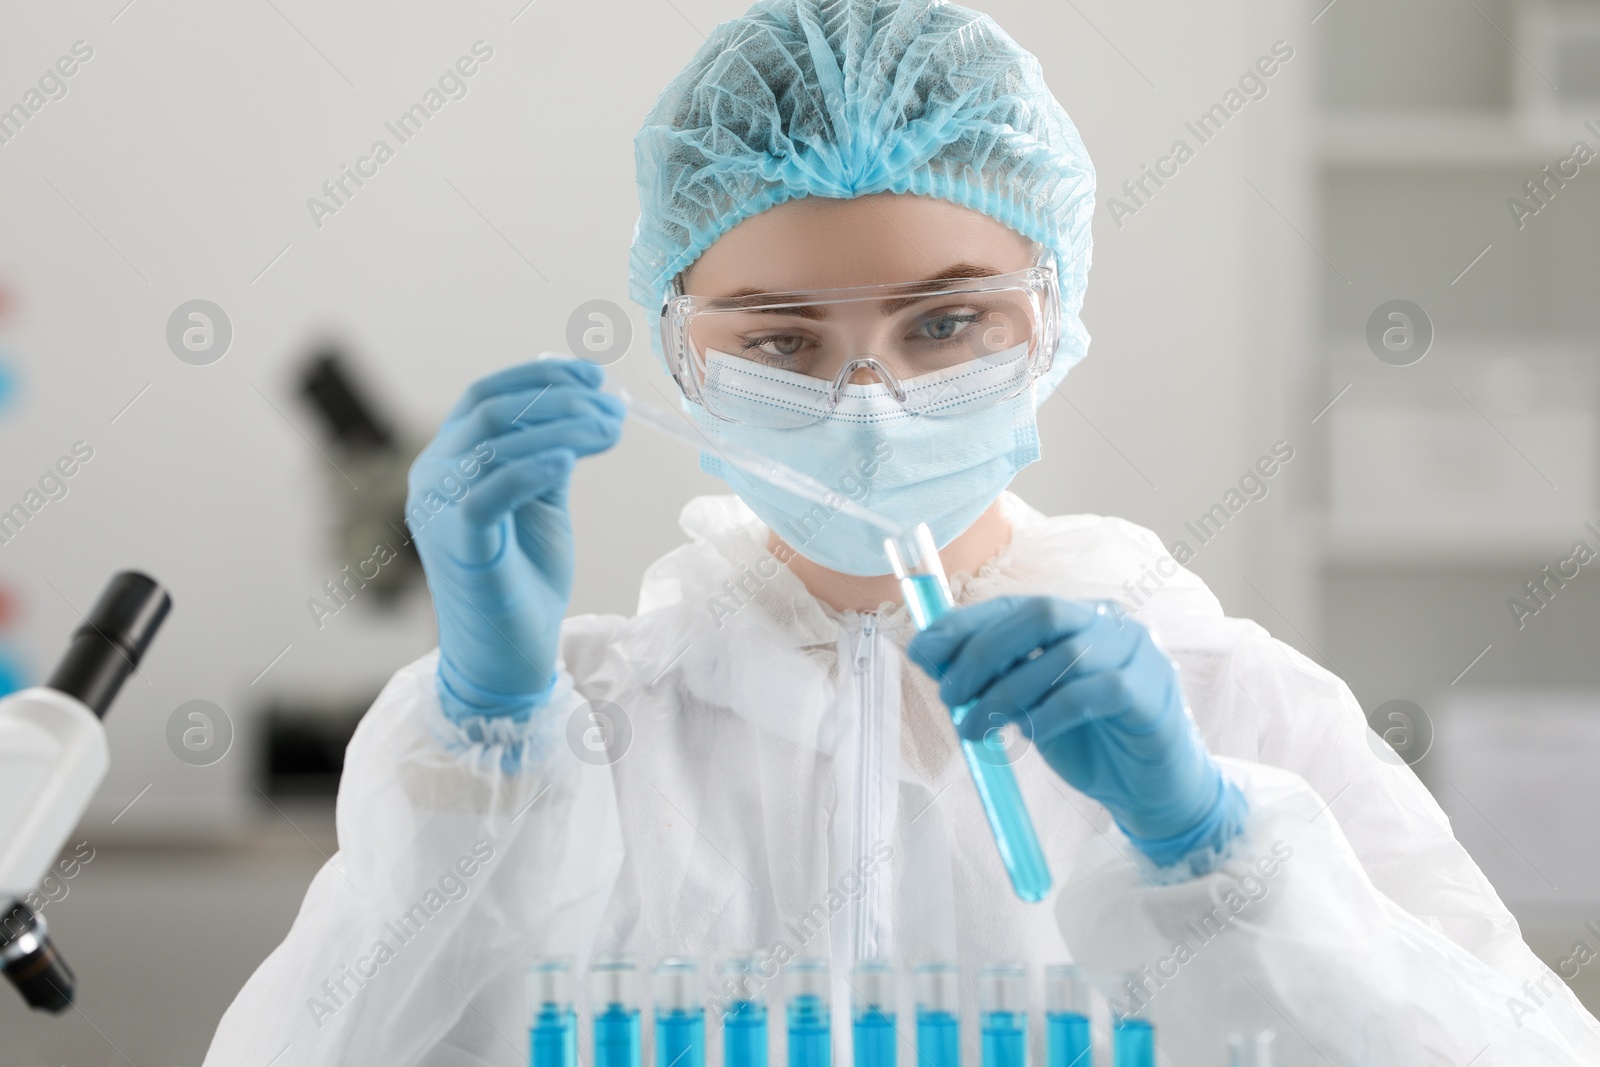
<point>935,347</point>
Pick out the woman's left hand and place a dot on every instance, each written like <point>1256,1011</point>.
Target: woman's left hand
<point>1099,699</point>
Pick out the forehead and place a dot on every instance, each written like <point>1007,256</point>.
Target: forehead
<point>821,243</point>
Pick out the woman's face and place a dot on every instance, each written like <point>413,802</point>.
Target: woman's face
<point>884,239</point>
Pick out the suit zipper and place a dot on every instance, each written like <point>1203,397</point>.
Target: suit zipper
<point>869,788</point>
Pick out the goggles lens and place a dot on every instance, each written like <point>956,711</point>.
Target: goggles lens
<point>789,359</point>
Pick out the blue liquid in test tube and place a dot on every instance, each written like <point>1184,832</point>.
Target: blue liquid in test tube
<point>552,1023</point>
<point>810,1042</point>
<point>1069,1040</point>
<point>744,1034</point>
<point>1003,1012</point>
<point>1133,1040</point>
<point>1135,1043</point>
<point>872,1012</point>
<point>744,1015</point>
<point>927,595</point>
<point>616,1037</point>
<point>614,996</point>
<point>680,1018</point>
<point>938,1016</point>
<point>1066,1015</point>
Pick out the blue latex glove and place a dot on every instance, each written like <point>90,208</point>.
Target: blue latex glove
<point>1102,704</point>
<point>487,505</point>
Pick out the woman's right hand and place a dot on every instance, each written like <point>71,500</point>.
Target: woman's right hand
<point>487,506</point>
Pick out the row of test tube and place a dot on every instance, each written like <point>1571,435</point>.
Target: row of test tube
<point>680,1016</point>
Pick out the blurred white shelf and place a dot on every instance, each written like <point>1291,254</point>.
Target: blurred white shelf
<point>1422,548</point>
<point>1441,139</point>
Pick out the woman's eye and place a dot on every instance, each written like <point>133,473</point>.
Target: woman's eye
<point>785,346</point>
<point>948,327</point>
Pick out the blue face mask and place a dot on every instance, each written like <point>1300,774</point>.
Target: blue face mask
<point>943,469</point>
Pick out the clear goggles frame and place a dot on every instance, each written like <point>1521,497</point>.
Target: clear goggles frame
<point>939,347</point>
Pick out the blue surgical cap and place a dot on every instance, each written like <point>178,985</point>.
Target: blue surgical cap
<point>844,98</point>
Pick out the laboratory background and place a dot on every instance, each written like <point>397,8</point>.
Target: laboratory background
<point>235,321</point>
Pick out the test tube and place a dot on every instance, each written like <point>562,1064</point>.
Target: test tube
<point>552,1024</point>
<point>872,1011</point>
<point>744,1015</point>
<point>680,1017</point>
<point>809,1014</point>
<point>1253,1050</point>
<point>1003,1008</point>
<point>915,560</point>
<point>1066,1014</point>
<point>938,1015</point>
<point>1133,1040</point>
<point>614,1003</point>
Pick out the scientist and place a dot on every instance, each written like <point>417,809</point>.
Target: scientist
<point>866,228</point>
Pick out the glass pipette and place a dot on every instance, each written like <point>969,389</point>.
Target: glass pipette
<point>752,462</point>
<point>927,593</point>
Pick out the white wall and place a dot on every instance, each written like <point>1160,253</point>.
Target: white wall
<point>189,144</point>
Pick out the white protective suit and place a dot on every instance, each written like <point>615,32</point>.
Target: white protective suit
<point>781,781</point>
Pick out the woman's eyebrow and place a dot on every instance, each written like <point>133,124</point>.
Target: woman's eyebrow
<point>754,297</point>
<point>963,270</point>
<point>950,273</point>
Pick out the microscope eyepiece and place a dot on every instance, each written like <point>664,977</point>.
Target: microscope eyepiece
<point>112,640</point>
<point>61,756</point>
<point>29,959</point>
